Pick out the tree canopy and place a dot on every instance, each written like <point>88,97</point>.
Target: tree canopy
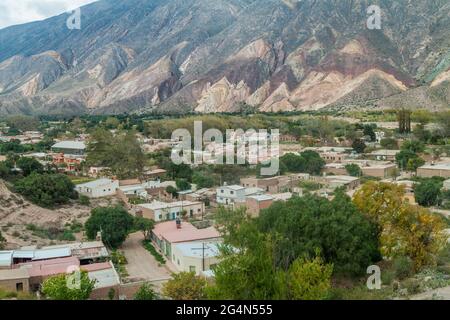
<point>185,286</point>
<point>121,152</point>
<point>57,288</point>
<point>46,190</point>
<point>404,230</point>
<point>115,223</point>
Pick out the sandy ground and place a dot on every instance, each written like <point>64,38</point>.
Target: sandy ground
<point>141,264</point>
<point>439,294</point>
<point>16,213</point>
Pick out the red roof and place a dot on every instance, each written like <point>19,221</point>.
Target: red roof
<point>187,233</point>
<point>49,267</point>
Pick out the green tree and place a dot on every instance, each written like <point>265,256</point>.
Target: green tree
<point>144,225</point>
<point>202,180</point>
<point>29,165</point>
<point>185,286</point>
<point>409,160</point>
<point>414,146</point>
<point>344,237</point>
<point>46,190</point>
<point>183,184</point>
<point>354,170</point>
<point>57,288</point>
<point>368,131</point>
<point>307,162</point>
<point>121,152</point>
<point>22,123</point>
<point>428,192</point>
<point>114,223</point>
<point>359,146</point>
<point>146,292</point>
<point>389,143</point>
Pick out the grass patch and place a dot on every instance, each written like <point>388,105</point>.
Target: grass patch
<point>150,248</point>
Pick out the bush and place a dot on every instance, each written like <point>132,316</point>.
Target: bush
<point>46,190</point>
<point>150,248</point>
<point>84,200</point>
<point>403,267</point>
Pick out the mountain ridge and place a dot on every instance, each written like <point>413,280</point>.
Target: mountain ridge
<point>179,56</point>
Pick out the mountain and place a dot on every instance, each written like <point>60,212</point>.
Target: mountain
<point>216,56</point>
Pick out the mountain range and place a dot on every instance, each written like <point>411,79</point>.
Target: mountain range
<point>223,55</point>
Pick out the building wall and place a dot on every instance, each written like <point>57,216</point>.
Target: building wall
<point>254,207</point>
<point>99,192</point>
<point>10,285</point>
<point>184,263</point>
<point>197,210</point>
<point>429,173</point>
<point>384,172</point>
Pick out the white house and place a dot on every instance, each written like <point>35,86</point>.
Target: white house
<point>98,188</point>
<point>162,211</point>
<point>195,257</point>
<point>229,195</point>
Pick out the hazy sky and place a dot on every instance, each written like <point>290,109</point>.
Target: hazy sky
<point>20,11</point>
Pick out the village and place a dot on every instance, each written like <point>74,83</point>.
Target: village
<point>184,236</point>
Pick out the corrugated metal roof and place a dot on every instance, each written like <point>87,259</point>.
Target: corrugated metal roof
<point>52,253</point>
<point>77,145</point>
<point>6,258</point>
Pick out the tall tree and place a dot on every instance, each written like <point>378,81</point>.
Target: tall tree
<point>114,223</point>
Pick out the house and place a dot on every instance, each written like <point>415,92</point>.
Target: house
<point>68,163</point>
<point>256,203</point>
<point>17,280</point>
<point>196,257</point>
<point>167,234</point>
<point>434,170</point>
<point>163,211</point>
<point>76,148</point>
<point>384,155</point>
<point>378,169</point>
<point>229,195</point>
<point>348,182</point>
<point>98,188</point>
<point>274,185</point>
<point>6,259</point>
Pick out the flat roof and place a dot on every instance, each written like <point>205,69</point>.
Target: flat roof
<point>78,145</point>
<point>187,233</point>
<point>157,205</point>
<point>438,166</point>
<point>50,267</point>
<point>262,197</point>
<point>14,274</point>
<point>232,187</point>
<point>96,183</point>
<point>6,258</point>
<point>195,249</point>
<point>52,253</point>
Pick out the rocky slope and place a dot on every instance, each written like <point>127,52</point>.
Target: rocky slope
<point>215,56</point>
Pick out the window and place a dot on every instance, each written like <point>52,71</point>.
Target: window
<point>191,268</point>
<point>178,261</point>
<point>221,191</point>
<point>160,217</point>
<point>232,192</point>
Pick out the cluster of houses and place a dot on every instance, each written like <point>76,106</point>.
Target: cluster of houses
<point>25,269</point>
<point>189,246</point>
